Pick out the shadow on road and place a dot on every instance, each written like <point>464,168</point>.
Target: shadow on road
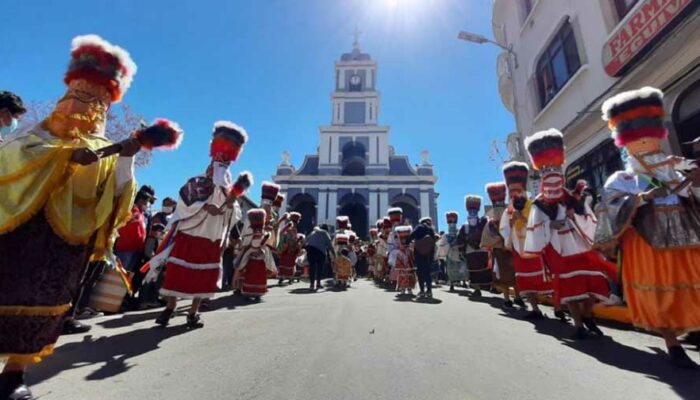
<point>113,352</point>
<point>654,365</point>
<point>227,302</point>
<point>424,300</point>
<point>302,291</point>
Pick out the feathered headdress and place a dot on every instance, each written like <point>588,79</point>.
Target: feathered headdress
<point>162,134</point>
<point>497,193</point>
<point>227,141</point>
<point>295,217</point>
<point>342,238</point>
<point>256,218</point>
<point>102,63</point>
<point>546,148</point>
<point>516,172</point>
<point>244,181</point>
<point>403,231</point>
<point>386,223</point>
<point>342,222</point>
<point>269,192</point>
<point>395,214</point>
<point>279,199</point>
<point>635,114</point>
<point>452,217</point>
<point>472,202</point>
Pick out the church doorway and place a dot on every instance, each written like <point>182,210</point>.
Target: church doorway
<point>354,159</point>
<point>306,206</point>
<point>409,205</point>
<point>354,207</point>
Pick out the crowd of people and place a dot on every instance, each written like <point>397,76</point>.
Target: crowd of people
<point>71,193</point>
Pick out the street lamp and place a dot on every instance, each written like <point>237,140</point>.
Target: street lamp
<point>479,39</point>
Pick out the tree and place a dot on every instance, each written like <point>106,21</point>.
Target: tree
<point>121,122</point>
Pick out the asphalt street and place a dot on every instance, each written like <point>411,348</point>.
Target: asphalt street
<point>360,344</point>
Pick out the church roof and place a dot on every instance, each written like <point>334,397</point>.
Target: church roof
<point>356,54</point>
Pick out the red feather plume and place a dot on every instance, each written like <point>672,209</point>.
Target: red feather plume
<point>162,134</point>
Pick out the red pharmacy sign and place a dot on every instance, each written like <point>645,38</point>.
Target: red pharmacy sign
<point>636,33</point>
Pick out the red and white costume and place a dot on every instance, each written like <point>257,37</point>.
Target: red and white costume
<point>256,259</point>
<point>530,274</point>
<point>193,259</point>
<point>560,233</point>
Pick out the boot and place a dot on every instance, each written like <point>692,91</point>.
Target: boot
<point>591,325</point>
<point>561,315</point>
<point>12,387</point>
<point>508,304</point>
<point>477,293</point>
<point>71,326</point>
<point>164,317</point>
<point>519,302</point>
<point>194,321</point>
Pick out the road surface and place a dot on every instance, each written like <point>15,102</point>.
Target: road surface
<point>360,344</point>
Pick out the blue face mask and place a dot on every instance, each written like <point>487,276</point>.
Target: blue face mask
<point>6,130</point>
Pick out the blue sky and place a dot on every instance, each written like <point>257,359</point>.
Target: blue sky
<point>268,66</point>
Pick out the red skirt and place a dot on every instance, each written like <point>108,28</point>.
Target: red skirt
<point>285,269</point>
<point>254,278</point>
<point>530,276</point>
<point>579,276</point>
<point>193,268</point>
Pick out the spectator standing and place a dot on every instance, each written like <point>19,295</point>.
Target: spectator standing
<point>317,244</point>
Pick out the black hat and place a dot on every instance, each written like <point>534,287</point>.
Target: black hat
<point>12,103</point>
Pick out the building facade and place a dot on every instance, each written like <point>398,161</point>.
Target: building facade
<point>355,171</point>
<point>568,56</point>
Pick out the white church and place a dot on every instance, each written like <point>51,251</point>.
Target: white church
<point>355,171</point>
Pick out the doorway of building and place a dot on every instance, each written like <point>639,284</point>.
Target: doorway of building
<point>409,205</point>
<point>354,207</point>
<point>306,206</point>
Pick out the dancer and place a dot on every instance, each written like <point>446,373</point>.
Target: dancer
<point>491,239</point>
<point>396,218</point>
<point>531,278</point>
<point>256,257</point>
<point>57,168</point>
<point>469,241</point>
<point>343,264</point>
<point>207,207</point>
<point>562,232</point>
<point>371,251</point>
<point>382,257</point>
<point>449,249</point>
<point>402,261</point>
<point>288,248</point>
<point>651,210</point>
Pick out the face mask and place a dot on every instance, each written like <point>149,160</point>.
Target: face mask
<point>552,186</point>
<point>6,130</point>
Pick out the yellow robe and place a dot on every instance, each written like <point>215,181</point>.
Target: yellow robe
<point>79,201</point>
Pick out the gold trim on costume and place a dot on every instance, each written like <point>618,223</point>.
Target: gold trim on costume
<point>14,358</point>
<point>668,288</point>
<point>44,311</point>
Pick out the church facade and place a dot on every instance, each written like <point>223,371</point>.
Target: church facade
<point>355,171</point>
